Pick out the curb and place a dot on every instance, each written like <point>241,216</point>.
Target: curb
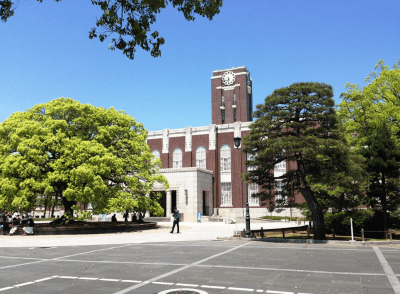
<point>310,241</point>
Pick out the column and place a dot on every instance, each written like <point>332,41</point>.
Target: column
<point>168,206</point>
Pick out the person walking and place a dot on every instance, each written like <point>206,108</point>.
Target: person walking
<point>176,221</point>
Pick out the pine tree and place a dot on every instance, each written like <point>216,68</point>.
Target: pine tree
<point>297,124</point>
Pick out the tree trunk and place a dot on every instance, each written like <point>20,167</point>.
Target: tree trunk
<point>318,215</point>
<point>68,205</point>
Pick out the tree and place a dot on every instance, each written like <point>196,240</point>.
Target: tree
<point>297,124</point>
<point>371,116</point>
<point>77,153</point>
<point>130,20</point>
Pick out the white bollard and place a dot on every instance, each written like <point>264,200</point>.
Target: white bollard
<point>351,226</point>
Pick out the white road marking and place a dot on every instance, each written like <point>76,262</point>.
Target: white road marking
<point>110,280</point>
<point>57,258</point>
<point>7,288</point>
<point>179,269</point>
<point>42,280</point>
<point>260,291</point>
<point>186,285</point>
<point>24,284</point>
<point>212,287</point>
<point>162,283</point>
<point>388,270</point>
<point>29,258</point>
<point>279,292</point>
<point>90,279</point>
<point>67,277</point>
<point>131,281</point>
<point>290,270</point>
<point>241,289</point>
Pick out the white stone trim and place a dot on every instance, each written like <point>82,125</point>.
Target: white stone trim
<point>184,169</point>
<point>165,143</point>
<point>227,88</point>
<point>233,68</point>
<point>212,137</point>
<point>188,139</point>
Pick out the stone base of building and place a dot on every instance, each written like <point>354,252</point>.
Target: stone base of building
<point>257,212</point>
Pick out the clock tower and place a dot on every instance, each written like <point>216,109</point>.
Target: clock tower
<point>231,95</point>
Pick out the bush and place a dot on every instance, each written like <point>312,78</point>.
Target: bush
<point>395,219</point>
<point>366,219</point>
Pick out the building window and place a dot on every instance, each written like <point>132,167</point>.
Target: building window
<point>225,158</point>
<point>281,166</point>
<point>201,157</point>
<point>156,154</point>
<point>226,194</point>
<point>253,189</point>
<point>177,158</point>
<point>280,198</point>
<point>251,157</point>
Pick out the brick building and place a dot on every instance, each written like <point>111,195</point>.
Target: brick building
<point>202,165</point>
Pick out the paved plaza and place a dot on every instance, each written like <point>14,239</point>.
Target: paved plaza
<point>158,262</point>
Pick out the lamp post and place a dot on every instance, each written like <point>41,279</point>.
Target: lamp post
<point>248,233</point>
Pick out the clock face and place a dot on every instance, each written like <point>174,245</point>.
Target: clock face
<point>228,78</point>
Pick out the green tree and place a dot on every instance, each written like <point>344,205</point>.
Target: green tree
<point>297,124</point>
<point>77,153</point>
<point>130,21</point>
<point>371,116</point>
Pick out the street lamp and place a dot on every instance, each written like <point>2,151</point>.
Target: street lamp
<point>248,232</point>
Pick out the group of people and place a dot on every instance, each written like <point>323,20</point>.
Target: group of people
<point>9,223</point>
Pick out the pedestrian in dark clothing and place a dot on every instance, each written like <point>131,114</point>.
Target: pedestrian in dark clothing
<point>4,219</point>
<point>114,218</point>
<point>126,215</point>
<point>176,221</point>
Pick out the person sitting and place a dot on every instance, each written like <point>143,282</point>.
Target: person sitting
<point>14,226</point>
<point>29,229</point>
<point>113,218</point>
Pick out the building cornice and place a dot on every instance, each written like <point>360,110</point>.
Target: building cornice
<point>184,169</point>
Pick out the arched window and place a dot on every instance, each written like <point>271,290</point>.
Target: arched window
<point>201,157</point>
<point>156,154</point>
<point>225,158</point>
<point>177,158</point>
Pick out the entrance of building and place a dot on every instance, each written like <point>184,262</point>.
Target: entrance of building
<point>173,200</point>
<point>205,212</point>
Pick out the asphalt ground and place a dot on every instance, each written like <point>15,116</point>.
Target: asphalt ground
<point>202,266</point>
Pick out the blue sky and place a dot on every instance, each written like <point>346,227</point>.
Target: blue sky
<point>45,53</point>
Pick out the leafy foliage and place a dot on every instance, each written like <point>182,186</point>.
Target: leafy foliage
<point>371,118</point>
<point>77,153</point>
<point>131,20</point>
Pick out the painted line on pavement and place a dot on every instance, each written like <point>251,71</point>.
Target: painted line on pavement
<point>58,258</point>
<point>291,270</point>
<point>147,282</point>
<point>212,287</point>
<point>186,285</point>
<point>216,266</point>
<point>388,270</point>
<point>180,269</point>
<point>163,283</point>
<point>241,289</point>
